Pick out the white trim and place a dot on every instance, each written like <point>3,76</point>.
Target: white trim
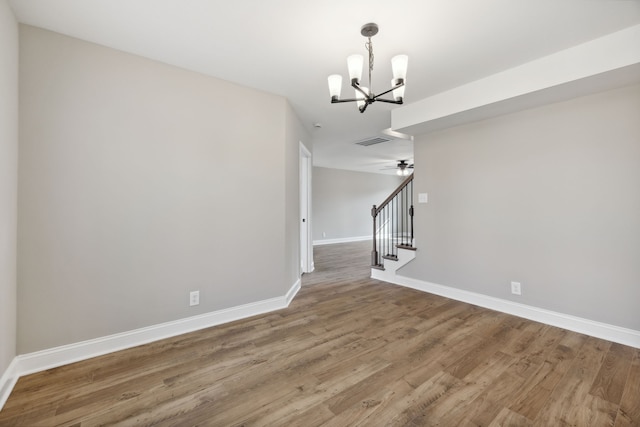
<point>26,364</point>
<point>593,328</point>
<point>292,292</point>
<point>305,167</point>
<point>341,240</point>
<point>8,381</point>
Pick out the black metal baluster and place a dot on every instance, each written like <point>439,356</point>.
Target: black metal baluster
<point>393,223</point>
<point>403,215</point>
<point>395,228</point>
<point>386,232</point>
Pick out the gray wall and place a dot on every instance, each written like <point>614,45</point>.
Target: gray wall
<point>8,182</point>
<point>549,197</point>
<point>342,201</point>
<point>139,182</point>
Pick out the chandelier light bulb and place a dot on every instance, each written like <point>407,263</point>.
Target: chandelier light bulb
<point>354,63</point>
<point>335,85</point>
<point>399,65</point>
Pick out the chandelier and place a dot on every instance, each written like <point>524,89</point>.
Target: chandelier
<point>365,95</point>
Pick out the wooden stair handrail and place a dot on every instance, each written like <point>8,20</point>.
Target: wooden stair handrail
<point>377,210</point>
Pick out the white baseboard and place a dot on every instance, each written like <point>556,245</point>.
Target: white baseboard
<point>29,363</point>
<point>8,381</point>
<point>593,328</point>
<point>292,292</point>
<point>341,240</point>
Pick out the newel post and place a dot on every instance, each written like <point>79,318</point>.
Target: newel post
<point>374,252</point>
<point>411,217</point>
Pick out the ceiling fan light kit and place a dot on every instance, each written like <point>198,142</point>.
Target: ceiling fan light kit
<point>404,169</point>
<point>355,63</point>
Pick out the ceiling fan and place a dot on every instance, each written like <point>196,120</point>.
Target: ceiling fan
<point>403,168</point>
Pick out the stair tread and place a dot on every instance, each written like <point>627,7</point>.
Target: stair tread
<point>409,247</point>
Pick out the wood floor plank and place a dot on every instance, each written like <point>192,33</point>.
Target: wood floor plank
<point>403,410</point>
<point>540,385</point>
<point>629,410</point>
<point>459,405</point>
<point>494,396</point>
<point>609,384</point>
<point>368,405</point>
<point>532,358</point>
<point>349,350</point>
<point>438,357</point>
<point>571,401</point>
<point>325,389</point>
<point>507,417</point>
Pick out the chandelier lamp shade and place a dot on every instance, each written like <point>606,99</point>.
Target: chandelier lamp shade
<point>364,96</point>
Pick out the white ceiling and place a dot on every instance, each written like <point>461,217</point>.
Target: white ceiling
<point>289,47</point>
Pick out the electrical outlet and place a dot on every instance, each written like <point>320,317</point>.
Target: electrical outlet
<point>516,288</point>
<point>324,234</point>
<point>194,298</point>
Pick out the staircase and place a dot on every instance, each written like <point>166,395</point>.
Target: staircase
<point>393,242</point>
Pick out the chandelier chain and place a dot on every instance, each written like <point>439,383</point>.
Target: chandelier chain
<point>369,47</point>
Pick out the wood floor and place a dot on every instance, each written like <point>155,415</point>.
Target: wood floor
<point>349,351</point>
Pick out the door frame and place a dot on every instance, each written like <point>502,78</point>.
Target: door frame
<point>306,241</point>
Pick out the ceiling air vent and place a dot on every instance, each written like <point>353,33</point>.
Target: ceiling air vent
<point>372,141</point>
